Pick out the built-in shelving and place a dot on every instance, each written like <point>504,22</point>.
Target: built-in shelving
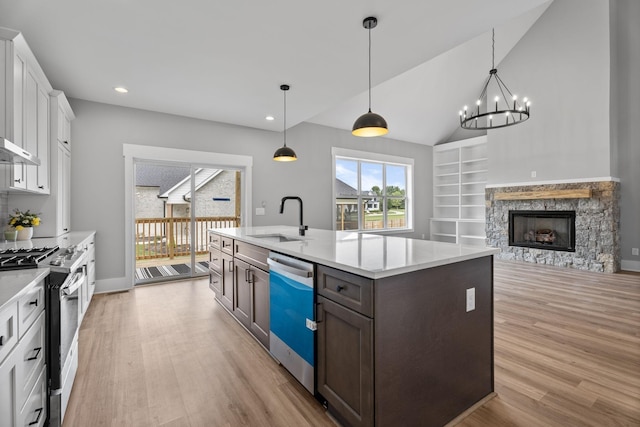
<point>460,176</point>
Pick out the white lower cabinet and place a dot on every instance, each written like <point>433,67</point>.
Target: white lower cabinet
<point>23,386</point>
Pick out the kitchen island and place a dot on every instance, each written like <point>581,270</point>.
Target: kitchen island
<point>404,326</point>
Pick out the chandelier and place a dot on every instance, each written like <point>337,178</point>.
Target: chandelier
<point>505,110</point>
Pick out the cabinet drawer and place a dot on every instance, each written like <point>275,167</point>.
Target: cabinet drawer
<point>226,245</point>
<point>214,241</point>
<point>215,282</point>
<point>350,290</point>
<point>8,329</point>
<point>215,261</point>
<point>30,359</point>
<point>254,255</point>
<point>34,412</point>
<point>29,307</point>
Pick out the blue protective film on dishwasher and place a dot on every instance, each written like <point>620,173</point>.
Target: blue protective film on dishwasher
<point>291,305</point>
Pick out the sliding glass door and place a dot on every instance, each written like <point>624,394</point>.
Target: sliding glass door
<point>175,204</point>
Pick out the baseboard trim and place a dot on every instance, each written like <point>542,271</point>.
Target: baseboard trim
<point>114,284</point>
<point>469,411</point>
<point>629,265</point>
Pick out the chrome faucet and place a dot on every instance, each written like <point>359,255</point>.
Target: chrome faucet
<point>301,228</point>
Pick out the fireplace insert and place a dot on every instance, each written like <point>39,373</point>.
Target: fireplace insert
<point>552,230</point>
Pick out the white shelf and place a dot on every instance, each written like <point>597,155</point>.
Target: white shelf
<point>443,234</point>
<point>460,217</point>
<point>467,236</point>
<point>482,159</point>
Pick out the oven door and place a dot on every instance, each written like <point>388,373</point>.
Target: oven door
<point>63,320</point>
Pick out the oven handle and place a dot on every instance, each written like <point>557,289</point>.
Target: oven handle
<point>76,281</point>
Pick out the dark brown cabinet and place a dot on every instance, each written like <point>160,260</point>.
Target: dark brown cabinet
<point>242,288</point>
<point>252,300</point>
<point>239,276</point>
<point>405,349</point>
<point>345,362</point>
<point>226,286</point>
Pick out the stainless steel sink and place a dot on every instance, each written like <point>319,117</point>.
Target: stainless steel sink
<point>278,238</point>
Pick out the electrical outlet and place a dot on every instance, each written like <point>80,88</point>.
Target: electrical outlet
<point>471,299</point>
<point>533,174</point>
<point>634,251</point>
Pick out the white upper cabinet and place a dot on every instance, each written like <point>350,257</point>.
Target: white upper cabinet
<point>24,115</point>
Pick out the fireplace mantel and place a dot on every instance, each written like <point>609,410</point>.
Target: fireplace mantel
<point>578,193</point>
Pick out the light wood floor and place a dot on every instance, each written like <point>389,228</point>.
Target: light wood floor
<point>567,353</point>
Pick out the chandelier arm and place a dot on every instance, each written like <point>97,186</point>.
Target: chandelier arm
<point>483,94</point>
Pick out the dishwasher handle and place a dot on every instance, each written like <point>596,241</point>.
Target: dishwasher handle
<point>275,265</point>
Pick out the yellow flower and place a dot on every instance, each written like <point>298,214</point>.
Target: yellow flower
<point>19,227</point>
<point>36,221</point>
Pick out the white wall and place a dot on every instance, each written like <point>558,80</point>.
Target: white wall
<point>97,173</point>
<point>625,123</point>
<point>562,64</point>
<point>579,64</point>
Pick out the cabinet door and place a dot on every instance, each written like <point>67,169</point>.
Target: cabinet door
<point>242,300</point>
<point>43,141</point>
<point>31,127</point>
<point>64,187</point>
<point>226,287</point>
<point>19,71</point>
<point>8,413</point>
<point>345,362</point>
<point>260,305</point>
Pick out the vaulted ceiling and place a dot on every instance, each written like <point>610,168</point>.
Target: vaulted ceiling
<point>224,61</point>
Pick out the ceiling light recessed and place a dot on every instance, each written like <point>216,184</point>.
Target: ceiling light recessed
<point>121,89</point>
<point>270,118</point>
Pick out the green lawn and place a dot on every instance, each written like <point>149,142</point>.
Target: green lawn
<point>391,214</point>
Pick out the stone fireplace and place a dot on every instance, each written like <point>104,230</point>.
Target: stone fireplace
<point>535,236</point>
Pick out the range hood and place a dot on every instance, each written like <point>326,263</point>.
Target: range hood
<point>11,153</point>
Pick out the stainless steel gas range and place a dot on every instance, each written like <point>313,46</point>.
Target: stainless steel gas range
<point>68,268</point>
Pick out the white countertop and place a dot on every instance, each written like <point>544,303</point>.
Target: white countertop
<point>12,282</point>
<point>369,255</point>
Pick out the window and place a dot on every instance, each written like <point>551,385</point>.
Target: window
<point>371,191</point>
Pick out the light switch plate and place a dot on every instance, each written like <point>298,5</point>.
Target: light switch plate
<point>260,211</point>
<point>471,299</point>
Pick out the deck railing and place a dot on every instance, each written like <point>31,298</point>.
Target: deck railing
<point>171,237</point>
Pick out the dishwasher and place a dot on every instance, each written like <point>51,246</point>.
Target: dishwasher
<point>292,323</point>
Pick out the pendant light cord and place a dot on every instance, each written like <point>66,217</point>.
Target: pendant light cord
<point>369,69</point>
<point>493,48</point>
<point>285,117</point>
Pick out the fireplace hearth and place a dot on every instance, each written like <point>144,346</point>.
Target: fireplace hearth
<point>551,230</point>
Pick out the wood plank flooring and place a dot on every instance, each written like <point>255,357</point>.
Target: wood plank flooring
<point>567,353</point>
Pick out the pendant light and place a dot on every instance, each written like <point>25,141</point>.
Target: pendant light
<point>370,124</point>
<point>284,153</point>
<point>506,111</point>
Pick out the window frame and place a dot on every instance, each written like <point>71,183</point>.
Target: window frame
<point>384,159</point>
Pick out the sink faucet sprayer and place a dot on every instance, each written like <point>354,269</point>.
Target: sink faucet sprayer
<point>302,227</point>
